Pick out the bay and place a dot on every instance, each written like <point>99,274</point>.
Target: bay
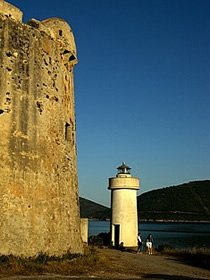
<point>178,235</point>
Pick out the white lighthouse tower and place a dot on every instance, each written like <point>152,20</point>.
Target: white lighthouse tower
<point>124,221</point>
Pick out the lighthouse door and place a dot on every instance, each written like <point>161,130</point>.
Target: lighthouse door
<point>116,235</point>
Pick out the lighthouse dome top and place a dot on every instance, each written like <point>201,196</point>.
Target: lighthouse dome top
<point>123,169</point>
<point>123,179</point>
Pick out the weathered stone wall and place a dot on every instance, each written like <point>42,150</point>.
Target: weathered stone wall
<point>84,230</point>
<point>38,171</point>
<point>10,10</point>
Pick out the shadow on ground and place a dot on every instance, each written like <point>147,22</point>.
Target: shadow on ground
<point>169,277</point>
<point>196,261</point>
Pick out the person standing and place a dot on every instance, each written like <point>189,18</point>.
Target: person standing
<point>140,244</point>
<point>149,243</point>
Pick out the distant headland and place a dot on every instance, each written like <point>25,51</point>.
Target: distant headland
<point>188,202</point>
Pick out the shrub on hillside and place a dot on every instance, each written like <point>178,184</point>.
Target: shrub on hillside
<point>95,240</point>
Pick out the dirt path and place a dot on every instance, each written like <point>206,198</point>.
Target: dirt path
<point>152,266</point>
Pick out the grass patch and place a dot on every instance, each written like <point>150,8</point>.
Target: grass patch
<point>196,257</point>
<point>68,264</point>
<point>199,257</point>
<point>165,248</point>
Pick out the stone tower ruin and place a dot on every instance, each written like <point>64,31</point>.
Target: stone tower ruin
<point>39,203</point>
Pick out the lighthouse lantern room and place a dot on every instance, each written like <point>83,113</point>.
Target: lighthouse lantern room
<point>124,219</point>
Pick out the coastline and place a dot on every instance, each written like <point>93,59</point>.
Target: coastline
<point>157,221</point>
<point>172,221</point>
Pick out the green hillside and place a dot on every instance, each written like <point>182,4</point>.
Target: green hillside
<point>93,210</point>
<point>190,201</point>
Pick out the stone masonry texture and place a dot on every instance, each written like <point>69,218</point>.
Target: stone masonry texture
<point>39,203</point>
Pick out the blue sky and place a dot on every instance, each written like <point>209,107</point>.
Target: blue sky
<point>142,88</point>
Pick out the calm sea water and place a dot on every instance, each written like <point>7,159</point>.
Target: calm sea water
<point>179,235</point>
